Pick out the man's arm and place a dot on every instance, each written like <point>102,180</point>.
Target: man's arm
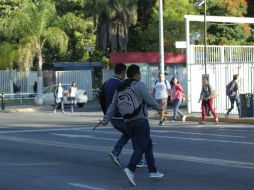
<point>111,110</point>
<point>149,100</point>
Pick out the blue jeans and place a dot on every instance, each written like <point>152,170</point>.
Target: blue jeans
<point>176,105</point>
<point>232,101</point>
<point>119,125</point>
<point>139,131</point>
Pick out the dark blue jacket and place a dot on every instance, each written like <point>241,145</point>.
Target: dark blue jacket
<point>110,87</point>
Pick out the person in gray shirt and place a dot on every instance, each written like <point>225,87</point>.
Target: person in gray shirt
<point>137,126</point>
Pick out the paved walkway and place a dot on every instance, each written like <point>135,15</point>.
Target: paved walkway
<point>93,106</point>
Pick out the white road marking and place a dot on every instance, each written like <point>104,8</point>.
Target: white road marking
<point>48,130</point>
<point>222,162</point>
<point>29,164</point>
<point>85,186</point>
<point>205,134</point>
<point>82,136</point>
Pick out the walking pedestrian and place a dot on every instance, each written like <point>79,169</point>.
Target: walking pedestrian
<point>117,120</point>
<point>232,91</point>
<point>206,96</point>
<point>131,99</point>
<point>161,92</point>
<point>72,95</point>
<point>178,96</point>
<point>58,94</point>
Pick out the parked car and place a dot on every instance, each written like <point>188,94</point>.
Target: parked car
<point>49,99</point>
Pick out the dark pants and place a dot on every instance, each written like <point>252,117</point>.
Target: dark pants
<point>139,131</point>
<point>232,101</point>
<point>120,126</point>
<point>208,103</point>
<point>57,104</point>
<point>176,104</point>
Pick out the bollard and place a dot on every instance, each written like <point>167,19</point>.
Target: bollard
<point>2,99</point>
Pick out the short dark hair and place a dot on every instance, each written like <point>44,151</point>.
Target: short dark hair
<point>235,76</point>
<point>132,71</point>
<point>120,68</point>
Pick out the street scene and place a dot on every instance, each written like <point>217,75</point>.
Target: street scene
<point>62,151</point>
<point>116,94</point>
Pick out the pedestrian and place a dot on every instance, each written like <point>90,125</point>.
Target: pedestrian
<point>206,96</point>
<point>117,121</point>
<point>232,91</point>
<point>178,96</point>
<point>35,87</point>
<point>131,99</point>
<point>58,94</point>
<point>72,95</point>
<point>161,92</point>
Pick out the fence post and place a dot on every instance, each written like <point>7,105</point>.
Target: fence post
<point>2,100</point>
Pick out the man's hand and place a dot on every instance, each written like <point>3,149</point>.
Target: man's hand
<point>104,122</point>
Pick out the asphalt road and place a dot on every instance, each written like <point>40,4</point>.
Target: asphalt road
<point>45,151</point>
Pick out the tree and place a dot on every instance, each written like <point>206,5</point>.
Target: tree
<point>228,34</point>
<point>146,36</point>
<point>8,56</point>
<point>113,17</point>
<point>33,31</point>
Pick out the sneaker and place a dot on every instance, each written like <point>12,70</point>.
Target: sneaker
<point>184,118</point>
<point>114,158</point>
<point>63,112</point>
<point>141,164</point>
<point>54,111</point>
<point>156,175</point>
<point>161,123</point>
<point>226,116</point>
<point>130,176</point>
<point>173,121</point>
<point>216,121</point>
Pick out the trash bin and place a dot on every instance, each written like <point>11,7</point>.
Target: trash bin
<point>247,105</point>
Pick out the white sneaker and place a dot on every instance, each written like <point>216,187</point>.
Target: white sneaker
<point>130,176</point>
<point>184,118</point>
<point>156,175</point>
<point>54,111</point>
<point>114,159</point>
<point>141,164</point>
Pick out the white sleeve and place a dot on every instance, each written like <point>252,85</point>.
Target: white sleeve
<point>168,85</point>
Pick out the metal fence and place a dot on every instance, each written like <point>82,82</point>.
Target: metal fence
<point>222,63</point>
<point>82,78</point>
<point>24,81</point>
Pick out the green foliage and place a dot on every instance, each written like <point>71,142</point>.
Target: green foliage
<point>8,55</point>
<point>147,37</point>
<point>223,34</point>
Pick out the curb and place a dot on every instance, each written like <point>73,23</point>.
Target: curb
<point>226,120</point>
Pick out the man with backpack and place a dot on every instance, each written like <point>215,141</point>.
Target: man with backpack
<point>106,97</point>
<point>161,91</point>
<point>232,92</point>
<point>131,100</point>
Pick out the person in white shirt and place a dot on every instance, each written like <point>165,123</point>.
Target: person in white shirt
<point>72,95</point>
<point>59,97</point>
<point>161,91</point>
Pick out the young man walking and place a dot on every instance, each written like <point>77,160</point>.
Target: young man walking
<point>117,121</point>
<point>232,91</point>
<point>137,124</point>
<point>161,91</point>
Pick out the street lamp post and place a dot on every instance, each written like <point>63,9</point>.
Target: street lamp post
<point>199,4</point>
<point>161,36</point>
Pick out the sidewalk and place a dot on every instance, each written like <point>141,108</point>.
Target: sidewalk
<point>198,117</point>
<point>93,106</point>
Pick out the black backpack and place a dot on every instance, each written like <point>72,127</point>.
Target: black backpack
<point>101,97</point>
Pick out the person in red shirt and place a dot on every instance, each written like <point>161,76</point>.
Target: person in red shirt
<point>177,95</point>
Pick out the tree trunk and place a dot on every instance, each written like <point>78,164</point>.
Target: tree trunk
<point>40,81</point>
